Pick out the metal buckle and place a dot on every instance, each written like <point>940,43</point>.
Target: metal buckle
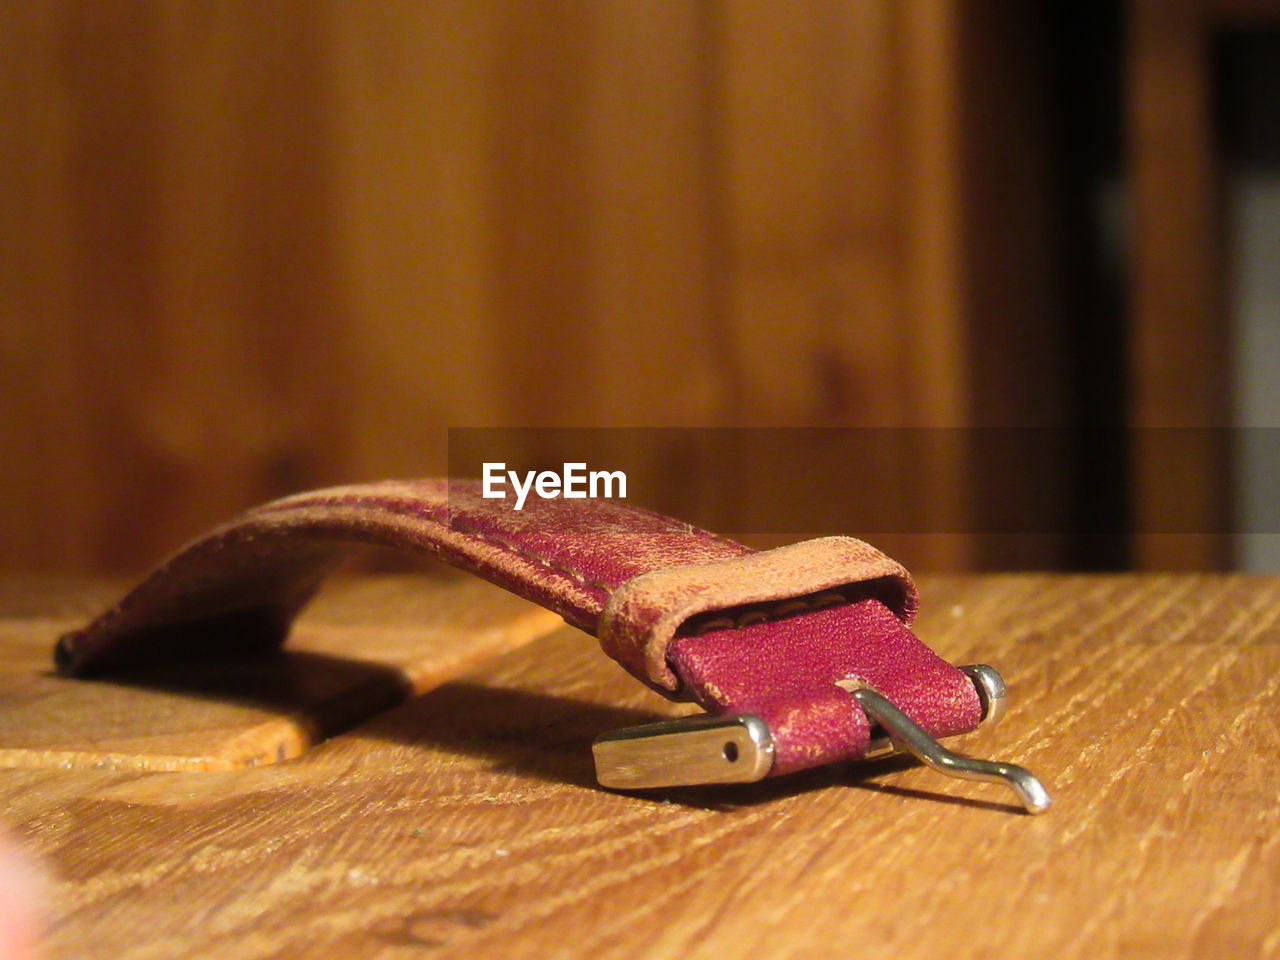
<point>739,749</point>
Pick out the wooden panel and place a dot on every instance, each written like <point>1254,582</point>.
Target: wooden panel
<point>933,273</point>
<point>411,136</point>
<point>44,428</point>
<point>810,140</point>
<point>258,248</point>
<point>466,822</point>
<point>1014,323</point>
<point>1179,339</point>
<point>268,247</point>
<point>839,248</point>
<point>336,671</point>
<point>175,251</point>
<point>653,347</point>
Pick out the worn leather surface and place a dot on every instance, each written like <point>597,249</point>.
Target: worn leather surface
<point>797,619</point>
<point>785,671</point>
<point>643,614</point>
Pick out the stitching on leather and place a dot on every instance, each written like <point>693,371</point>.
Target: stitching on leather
<point>209,547</point>
<point>764,613</point>
<point>408,506</point>
<point>683,526</point>
<point>404,505</point>
<point>540,560</point>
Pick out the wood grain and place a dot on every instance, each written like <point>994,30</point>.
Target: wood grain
<point>465,822</point>
<point>333,673</point>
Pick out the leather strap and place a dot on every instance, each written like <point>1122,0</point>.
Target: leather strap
<point>691,614</point>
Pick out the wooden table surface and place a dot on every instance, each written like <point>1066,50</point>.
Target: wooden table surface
<point>206,815</point>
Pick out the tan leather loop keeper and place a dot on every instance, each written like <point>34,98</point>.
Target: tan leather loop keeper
<point>643,614</point>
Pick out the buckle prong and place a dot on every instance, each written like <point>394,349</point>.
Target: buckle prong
<point>908,735</point>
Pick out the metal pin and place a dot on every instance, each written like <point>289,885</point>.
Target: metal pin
<point>904,731</point>
<point>991,692</point>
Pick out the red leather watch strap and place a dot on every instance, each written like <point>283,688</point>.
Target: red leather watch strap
<point>691,614</point>
<point>643,614</point>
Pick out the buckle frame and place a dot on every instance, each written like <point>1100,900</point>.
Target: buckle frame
<point>706,749</point>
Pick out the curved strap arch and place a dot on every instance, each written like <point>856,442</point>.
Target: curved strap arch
<point>246,580</point>
<point>241,586</point>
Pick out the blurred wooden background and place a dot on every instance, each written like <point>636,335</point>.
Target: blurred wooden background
<point>254,247</point>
